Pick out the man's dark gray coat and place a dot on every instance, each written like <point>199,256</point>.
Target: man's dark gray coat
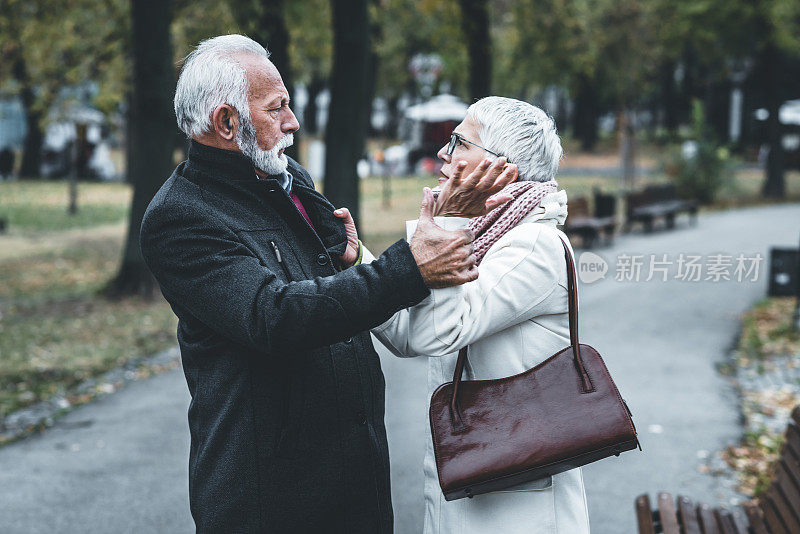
<point>286,417</point>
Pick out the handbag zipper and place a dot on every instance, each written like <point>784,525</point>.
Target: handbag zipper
<point>279,257</point>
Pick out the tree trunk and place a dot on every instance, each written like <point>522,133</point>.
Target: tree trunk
<point>272,29</point>
<point>668,98</point>
<point>718,106</point>
<point>151,120</point>
<point>311,112</point>
<point>393,117</point>
<point>266,24</point>
<point>346,130</point>
<point>585,114</point>
<point>627,144</point>
<point>774,184</point>
<point>34,137</point>
<point>475,25</point>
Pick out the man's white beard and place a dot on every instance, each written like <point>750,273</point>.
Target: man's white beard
<point>267,161</point>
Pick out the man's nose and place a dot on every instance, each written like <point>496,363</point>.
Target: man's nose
<point>290,125</point>
<point>443,155</point>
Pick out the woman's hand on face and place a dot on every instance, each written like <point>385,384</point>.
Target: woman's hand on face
<point>351,252</point>
<point>480,192</point>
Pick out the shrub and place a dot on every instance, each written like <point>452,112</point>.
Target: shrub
<point>699,166</point>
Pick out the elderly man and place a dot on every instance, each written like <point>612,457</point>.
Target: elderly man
<point>286,417</point>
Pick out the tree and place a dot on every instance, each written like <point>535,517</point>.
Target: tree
<point>410,27</point>
<point>265,22</point>
<point>778,22</point>
<point>346,131</point>
<point>475,24</point>
<point>49,45</point>
<point>151,127</point>
<point>311,48</point>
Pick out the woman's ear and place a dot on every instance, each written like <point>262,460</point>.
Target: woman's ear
<point>225,120</point>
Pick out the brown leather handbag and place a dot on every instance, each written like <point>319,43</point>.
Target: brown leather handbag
<point>566,412</point>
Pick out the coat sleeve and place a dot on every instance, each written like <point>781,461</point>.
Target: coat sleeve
<point>519,280</point>
<point>202,267</point>
<point>393,334</point>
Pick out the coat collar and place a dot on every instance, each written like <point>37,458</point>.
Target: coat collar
<point>220,165</point>
<point>552,209</point>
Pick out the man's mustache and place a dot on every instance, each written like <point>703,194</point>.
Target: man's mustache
<point>285,142</point>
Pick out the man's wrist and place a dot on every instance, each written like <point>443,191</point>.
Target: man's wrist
<point>360,257</point>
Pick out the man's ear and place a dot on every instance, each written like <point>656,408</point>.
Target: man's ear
<point>225,120</point>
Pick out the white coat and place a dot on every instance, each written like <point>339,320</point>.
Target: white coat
<point>514,316</point>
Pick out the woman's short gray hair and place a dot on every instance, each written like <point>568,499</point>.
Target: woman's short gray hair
<point>210,77</point>
<point>521,132</point>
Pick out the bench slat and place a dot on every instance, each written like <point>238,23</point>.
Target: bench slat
<point>707,519</point>
<point>784,509</point>
<point>669,518</point>
<point>788,487</point>
<point>644,515</point>
<point>790,465</point>
<point>755,517</point>
<point>688,516</point>
<point>793,439</point>
<point>725,521</point>
<point>771,517</point>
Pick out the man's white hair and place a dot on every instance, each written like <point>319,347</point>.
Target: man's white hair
<point>210,77</point>
<point>521,132</point>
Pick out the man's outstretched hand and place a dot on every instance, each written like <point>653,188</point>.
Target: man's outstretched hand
<point>445,258</point>
<point>480,192</point>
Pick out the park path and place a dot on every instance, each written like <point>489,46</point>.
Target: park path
<point>120,463</point>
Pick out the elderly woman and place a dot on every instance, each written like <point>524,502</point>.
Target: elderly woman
<point>512,317</point>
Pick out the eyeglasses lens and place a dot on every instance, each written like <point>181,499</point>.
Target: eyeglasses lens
<point>452,145</point>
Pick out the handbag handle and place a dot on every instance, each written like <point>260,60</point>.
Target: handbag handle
<point>586,383</point>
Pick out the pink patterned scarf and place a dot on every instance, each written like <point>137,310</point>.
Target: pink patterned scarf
<point>491,227</point>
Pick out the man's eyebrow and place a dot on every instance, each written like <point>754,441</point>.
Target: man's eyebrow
<point>278,100</point>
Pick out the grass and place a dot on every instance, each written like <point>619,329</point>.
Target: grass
<point>767,329</point>
<point>766,333</point>
<point>39,205</point>
<point>55,328</point>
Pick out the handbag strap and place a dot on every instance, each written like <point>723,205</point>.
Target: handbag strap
<point>586,383</point>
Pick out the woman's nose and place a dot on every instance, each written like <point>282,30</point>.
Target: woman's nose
<point>443,155</point>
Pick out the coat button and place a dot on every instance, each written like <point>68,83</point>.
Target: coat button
<point>348,340</point>
<point>322,259</point>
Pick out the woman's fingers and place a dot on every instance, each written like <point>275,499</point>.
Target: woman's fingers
<point>458,171</point>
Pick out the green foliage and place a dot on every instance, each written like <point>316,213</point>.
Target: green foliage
<point>409,27</point>
<point>700,167</point>
<point>310,39</point>
<point>198,20</point>
<point>48,45</point>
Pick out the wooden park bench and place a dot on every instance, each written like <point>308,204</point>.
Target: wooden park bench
<point>589,227</point>
<point>776,512</point>
<point>657,202</point>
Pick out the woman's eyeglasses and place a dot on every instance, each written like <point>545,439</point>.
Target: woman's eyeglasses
<point>455,138</point>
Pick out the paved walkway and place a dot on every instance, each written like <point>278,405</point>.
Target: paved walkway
<point>120,464</point>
